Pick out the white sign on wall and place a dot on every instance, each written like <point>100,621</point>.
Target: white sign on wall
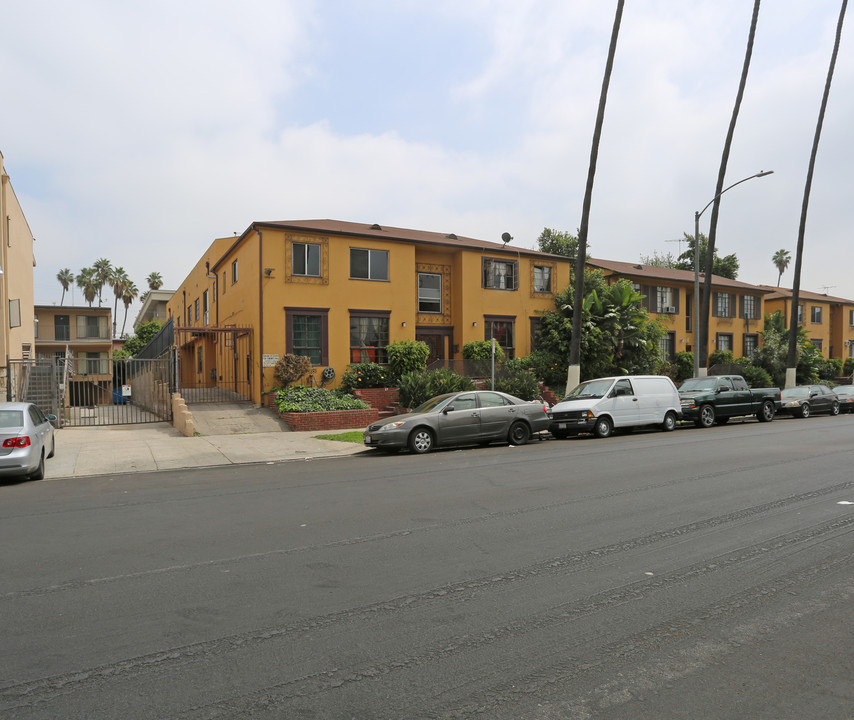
<point>269,360</point>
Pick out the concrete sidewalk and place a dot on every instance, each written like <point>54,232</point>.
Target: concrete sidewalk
<point>229,435</point>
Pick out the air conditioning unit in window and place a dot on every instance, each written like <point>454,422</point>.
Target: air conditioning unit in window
<point>670,309</point>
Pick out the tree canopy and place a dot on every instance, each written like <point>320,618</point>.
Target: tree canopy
<point>726,266</point>
<point>557,242</point>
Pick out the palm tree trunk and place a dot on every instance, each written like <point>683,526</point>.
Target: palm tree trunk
<point>574,372</point>
<point>706,294</point>
<point>792,358</point>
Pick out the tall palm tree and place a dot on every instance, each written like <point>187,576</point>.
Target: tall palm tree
<point>792,358</point>
<point>155,282</point>
<point>128,296</point>
<point>120,281</point>
<point>103,273</point>
<point>781,261</point>
<point>574,371</point>
<point>66,279</point>
<point>87,281</point>
<point>706,294</point>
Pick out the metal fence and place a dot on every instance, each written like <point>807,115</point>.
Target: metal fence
<point>214,364</point>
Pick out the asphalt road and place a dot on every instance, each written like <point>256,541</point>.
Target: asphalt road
<point>693,574</point>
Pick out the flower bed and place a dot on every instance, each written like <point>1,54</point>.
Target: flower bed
<point>330,419</point>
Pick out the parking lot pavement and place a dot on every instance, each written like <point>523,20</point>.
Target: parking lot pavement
<point>150,447</point>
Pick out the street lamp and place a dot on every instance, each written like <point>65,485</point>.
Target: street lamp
<point>762,173</point>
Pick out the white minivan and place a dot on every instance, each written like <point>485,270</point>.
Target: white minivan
<point>599,406</point>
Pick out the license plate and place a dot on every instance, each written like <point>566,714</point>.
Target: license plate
<point>561,426</point>
<point>367,438</point>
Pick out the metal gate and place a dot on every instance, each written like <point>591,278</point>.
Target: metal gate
<point>85,391</point>
<point>214,364</point>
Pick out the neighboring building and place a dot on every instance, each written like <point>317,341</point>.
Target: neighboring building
<point>154,307</point>
<point>340,292</point>
<point>829,321</point>
<point>736,311</point>
<point>16,281</point>
<point>84,334</point>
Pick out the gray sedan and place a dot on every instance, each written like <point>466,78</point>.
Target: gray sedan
<point>26,439</point>
<point>476,417</point>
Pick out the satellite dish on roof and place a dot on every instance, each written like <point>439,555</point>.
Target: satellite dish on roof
<point>506,237</point>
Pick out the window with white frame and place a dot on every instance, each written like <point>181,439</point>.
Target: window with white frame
<point>664,300</point>
<point>542,278</point>
<point>815,314</point>
<point>751,342</point>
<point>817,342</point>
<point>751,307</point>
<point>668,346</point>
<point>429,293</point>
<point>500,274</point>
<point>234,272</point>
<point>722,305</point>
<point>723,341</point>
<point>503,332</point>
<point>368,264</point>
<point>206,307</point>
<point>800,313</point>
<point>305,259</point>
<point>369,338</point>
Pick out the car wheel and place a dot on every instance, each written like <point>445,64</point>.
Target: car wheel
<point>39,472</point>
<point>805,410</point>
<point>421,441</point>
<point>669,421</point>
<point>603,427</point>
<point>519,434</point>
<point>766,412</point>
<point>706,418</point>
<point>834,409</point>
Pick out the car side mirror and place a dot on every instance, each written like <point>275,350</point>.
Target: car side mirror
<point>51,418</point>
<point>447,409</point>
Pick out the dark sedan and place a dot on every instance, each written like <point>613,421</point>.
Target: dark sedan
<point>476,417</point>
<point>805,400</point>
<point>845,393</point>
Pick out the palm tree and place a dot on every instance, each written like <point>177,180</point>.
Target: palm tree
<point>103,274</point>
<point>120,281</point>
<point>706,294</point>
<point>155,282</point>
<point>574,371</point>
<point>87,281</point>
<point>792,359</point>
<point>128,296</point>
<point>66,279</point>
<point>781,261</point>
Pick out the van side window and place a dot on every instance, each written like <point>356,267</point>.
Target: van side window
<point>623,387</point>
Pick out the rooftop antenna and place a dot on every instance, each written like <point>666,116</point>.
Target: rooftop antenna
<point>679,240</point>
<point>827,287</point>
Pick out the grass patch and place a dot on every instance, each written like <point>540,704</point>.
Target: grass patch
<point>353,436</point>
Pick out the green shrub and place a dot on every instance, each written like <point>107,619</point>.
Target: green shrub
<point>416,388</point>
<point>682,366</point>
<point>518,379</point>
<point>291,368</point>
<point>830,369</point>
<point>549,366</point>
<point>721,357</point>
<point>314,399</point>
<point>848,367</point>
<point>482,350</point>
<point>407,356</point>
<point>365,375</point>
<point>755,377</point>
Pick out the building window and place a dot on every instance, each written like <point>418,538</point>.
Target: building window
<point>234,272</point>
<point>91,327</point>
<point>503,332</point>
<point>36,327</point>
<point>368,264</point>
<point>751,342</point>
<point>664,300</point>
<point>61,327</point>
<point>815,314</point>
<point>429,293</point>
<point>851,318</point>
<point>668,346</point>
<point>305,259</point>
<point>536,330</point>
<point>369,337</point>
<point>542,278</point>
<point>723,341</point>
<point>224,283</point>
<point>800,314</point>
<point>206,307</point>
<point>196,306</point>
<point>307,333</point>
<point>14,313</point>
<point>500,275</point>
<point>750,307</point>
<point>722,305</point>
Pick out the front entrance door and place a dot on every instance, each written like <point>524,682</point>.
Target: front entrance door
<point>437,340</point>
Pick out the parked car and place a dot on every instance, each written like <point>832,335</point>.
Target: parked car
<point>599,406</point>
<point>26,439</point>
<point>476,417</point>
<point>805,400</point>
<point>845,394</point>
<point>717,398</point>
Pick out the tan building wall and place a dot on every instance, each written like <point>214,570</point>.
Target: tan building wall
<point>16,282</point>
<point>252,283</point>
<point>85,331</point>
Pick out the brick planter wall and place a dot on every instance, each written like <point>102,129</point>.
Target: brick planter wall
<point>378,397</point>
<point>330,420</point>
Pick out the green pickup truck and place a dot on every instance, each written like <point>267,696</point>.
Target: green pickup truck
<point>715,399</point>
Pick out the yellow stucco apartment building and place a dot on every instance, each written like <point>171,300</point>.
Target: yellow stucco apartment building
<point>340,292</point>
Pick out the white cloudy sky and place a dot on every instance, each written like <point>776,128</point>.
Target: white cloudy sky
<point>141,131</point>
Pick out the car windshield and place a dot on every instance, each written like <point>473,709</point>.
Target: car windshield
<point>433,404</point>
<point>591,389</point>
<point>11,418</point>
<point>844,390</point>
<point>796,392</point>
<point>698,385</point>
